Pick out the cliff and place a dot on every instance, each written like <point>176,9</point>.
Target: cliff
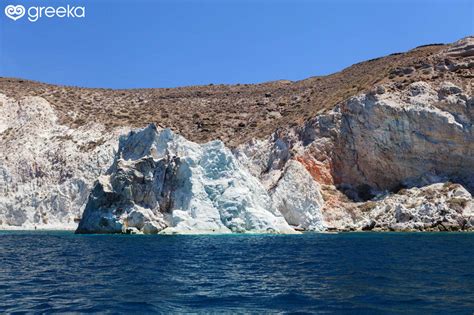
<point>383,145</point>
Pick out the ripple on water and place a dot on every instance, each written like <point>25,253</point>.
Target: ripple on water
<point>331,273</point>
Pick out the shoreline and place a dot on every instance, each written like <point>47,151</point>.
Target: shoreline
<point>38,228</point>
<point>50,229</point>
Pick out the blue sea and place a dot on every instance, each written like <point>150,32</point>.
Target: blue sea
<point>350,273</point>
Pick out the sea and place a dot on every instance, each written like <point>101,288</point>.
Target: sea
<point>346,273</point>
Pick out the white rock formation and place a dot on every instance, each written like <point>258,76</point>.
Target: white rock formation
<point>341,170</point>
<point>297,196</point>
<point>47,169</point>
<point>160,179</point>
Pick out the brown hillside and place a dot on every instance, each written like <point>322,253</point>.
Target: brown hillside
<point>236,113</point>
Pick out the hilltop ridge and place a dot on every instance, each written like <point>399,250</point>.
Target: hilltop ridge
<point>238,113</point>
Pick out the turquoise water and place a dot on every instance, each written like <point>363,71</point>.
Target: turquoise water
<point>369,273</point>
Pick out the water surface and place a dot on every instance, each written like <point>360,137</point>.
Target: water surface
<point>368,273</point>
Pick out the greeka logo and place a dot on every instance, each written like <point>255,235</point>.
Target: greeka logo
<point>16,12</point>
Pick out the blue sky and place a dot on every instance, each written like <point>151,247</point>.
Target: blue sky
<point>137,43</point>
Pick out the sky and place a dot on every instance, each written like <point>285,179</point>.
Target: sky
<point>169,43</point>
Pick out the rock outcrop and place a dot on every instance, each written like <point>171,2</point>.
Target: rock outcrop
<point>462,48</point>
<point>47,169</point>
<point>401,139</point>
<point>437,207</point>
<point>161,181</point>
<point>368,147</point>
<point>396,153</point>
<point>375,144</point>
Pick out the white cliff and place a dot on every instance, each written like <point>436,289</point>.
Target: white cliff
<point>47,169</point>
<point>397,157</point>
<point>178,186</point>
<point>316,177</point>
<point>311,178</point>
<point>298,198</point>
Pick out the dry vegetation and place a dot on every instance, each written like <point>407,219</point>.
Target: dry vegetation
<point>233,113</point>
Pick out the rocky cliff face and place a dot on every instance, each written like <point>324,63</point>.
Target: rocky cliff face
<point>47,169</point>
<point>399,156</point>
<point>387,140</point>
<point>160,181</point>
<point>369,148</point>
<point>376,145</point>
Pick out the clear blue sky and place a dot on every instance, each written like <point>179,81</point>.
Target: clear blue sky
<point>137,43</point>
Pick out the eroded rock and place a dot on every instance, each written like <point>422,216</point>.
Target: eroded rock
<point>160,182</point>
<point>341,169</point>
<point>437,207</point>
<point>47,169</point>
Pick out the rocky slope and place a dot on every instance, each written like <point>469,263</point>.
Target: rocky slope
<point>383,145</point>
